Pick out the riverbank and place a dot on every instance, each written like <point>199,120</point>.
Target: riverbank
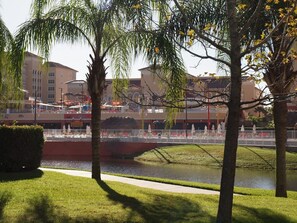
<point>212,155</point>
<point>43,196</point>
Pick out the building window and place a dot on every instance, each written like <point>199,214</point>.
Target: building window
<point>51,88</point>
<point>51,74</point>
<point>51,81</point>
<point>51,96</point>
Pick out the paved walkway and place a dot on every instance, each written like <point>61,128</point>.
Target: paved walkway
<point>136,182</point>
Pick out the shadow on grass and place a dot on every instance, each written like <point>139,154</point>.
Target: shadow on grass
<point>204,150</point>
<point>5,197</point>
<point>261,157</point>
<point>41,209</point>
<point>260,215</point>
<point>161,208</point>
<point>161,156</point>
<point>164,151</point>
<point>25,175</point>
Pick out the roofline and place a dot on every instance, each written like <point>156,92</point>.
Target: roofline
<point>133,78</point>
<point>27,53</point>
<point>60,65</point>
<point>48,62</point>
<point>69,82</point>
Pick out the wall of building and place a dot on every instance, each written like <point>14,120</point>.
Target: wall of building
<point>32,75</point>
<point>48,78</point>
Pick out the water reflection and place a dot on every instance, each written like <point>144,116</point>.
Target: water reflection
<point>244,177</point>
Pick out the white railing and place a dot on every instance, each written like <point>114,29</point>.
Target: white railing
<point>248,137</point>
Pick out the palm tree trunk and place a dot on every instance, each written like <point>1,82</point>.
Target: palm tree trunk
<point>96,83</point>
<point>280,111</point>
<point>96,119</point>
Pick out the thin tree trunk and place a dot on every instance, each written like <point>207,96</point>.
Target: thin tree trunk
<point>280,111</point>
<point>231,141</point>
<point>230,151</point>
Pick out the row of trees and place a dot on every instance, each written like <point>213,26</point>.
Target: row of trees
<point>250,37</point>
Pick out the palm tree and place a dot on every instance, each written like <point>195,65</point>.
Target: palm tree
<point>5,36</point>
<point>112,28</point>
<point>9,72</point>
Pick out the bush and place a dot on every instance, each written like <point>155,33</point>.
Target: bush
<point>20,148</point>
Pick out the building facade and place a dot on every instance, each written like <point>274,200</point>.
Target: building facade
<point>46,81</point>
<point>199,90</point>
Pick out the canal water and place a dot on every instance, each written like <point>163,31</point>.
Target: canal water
<point>244,177</point>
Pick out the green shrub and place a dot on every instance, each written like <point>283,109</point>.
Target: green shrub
<point>20,148</point>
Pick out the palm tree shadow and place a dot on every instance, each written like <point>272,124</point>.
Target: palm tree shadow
<point>204,150</point>
<point>5,197</point>
<point>126,201</point>
<point>161,208</point>
<point>42,209</point>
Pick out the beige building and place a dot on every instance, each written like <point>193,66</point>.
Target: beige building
<point>46,81</point>
<point>55,81</point>
<point>32,75</point>
<point>149,87</point>
<point>139,91</point>
<point>201,88</point>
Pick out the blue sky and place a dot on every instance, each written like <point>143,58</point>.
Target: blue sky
<point>15,12</point>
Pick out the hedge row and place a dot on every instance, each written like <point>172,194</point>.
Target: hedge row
<point>20,148</point>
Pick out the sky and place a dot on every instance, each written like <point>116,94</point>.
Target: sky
<point>16,12</point>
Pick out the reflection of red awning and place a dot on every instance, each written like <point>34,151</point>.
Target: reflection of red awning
<point>76,124</point>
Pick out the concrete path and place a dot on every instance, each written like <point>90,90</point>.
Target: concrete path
<point>136,182</point>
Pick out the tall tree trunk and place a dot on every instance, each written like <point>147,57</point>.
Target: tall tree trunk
<point>96,84</point>
<point>230,151</point>
<point>96,119</point>
<point>280,110</point>
<point>231,140</point>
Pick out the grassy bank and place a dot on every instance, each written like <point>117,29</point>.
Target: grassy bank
<point>212,155</point>
<point>52,197</point>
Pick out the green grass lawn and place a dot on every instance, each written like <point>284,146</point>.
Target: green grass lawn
<point>212,155</point>
<point>53,197</point>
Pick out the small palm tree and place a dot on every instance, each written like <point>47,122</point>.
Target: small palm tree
<point>112,28</point>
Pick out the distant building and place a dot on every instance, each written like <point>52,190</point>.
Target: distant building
<point>46,81</point>
<point>55,81</point>
<point>203,88</point>
<point>77,91</point>
<point>32,75</point>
